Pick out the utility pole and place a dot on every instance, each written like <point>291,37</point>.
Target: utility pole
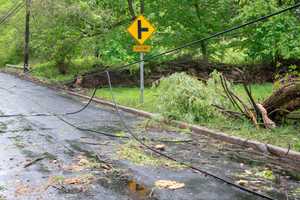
<point>27,37</point>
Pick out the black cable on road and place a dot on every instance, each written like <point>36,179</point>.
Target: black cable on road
<point>90,130</point>
<point>206,173</point>
<point>59,116</point>
<point>118,136</point>
<point>85,106</point>
<point>54,114</point>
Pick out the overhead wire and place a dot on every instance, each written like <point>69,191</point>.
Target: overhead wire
<point>13,11</point>
<point>195,42</point>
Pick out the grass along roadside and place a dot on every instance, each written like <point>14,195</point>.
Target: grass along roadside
<point>282,136</point>
<point>130,96</point>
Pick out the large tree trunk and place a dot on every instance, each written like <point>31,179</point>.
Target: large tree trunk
<point>283,101</point>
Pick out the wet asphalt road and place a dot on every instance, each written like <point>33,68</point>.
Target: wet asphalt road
<point>24,139</point>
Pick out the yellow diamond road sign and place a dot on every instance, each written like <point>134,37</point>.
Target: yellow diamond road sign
<point>141,29</point>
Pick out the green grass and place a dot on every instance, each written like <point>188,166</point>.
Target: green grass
<point>281,136</point>
<point>259,92</point>
<point>130,96</point>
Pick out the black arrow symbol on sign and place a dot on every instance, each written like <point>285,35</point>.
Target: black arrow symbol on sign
<point>141,29</point>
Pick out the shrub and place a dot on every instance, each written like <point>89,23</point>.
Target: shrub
<point>50,71</point>
<point>184,97</point>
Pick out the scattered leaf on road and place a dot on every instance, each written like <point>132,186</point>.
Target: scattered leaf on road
<point>242,182</point>
<point>166,184</point>
<point>160,147</point>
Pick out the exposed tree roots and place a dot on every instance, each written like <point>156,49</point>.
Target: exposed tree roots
<point>274,109</point>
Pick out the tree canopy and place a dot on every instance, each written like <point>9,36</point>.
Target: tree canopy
<point>65,30</point>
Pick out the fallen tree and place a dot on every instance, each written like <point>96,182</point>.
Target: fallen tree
<point>275,108</point>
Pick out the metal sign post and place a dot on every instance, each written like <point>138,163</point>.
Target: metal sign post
<point>142,84</point>
<point>141,30</point>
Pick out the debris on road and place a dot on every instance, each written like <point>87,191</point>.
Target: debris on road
<point>35,161</point>
<point>160,147</point>
<point>166,184</point>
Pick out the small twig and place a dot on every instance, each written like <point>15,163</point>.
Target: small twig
<point>151,193</point>
<point>252,101</point>
<point>288,151</point>
<point>229,112</point>
<point>94,143</point>
<point>61,188</point>
<point>35,161</point>
<point>101,160</point>
<point>174,141</point>
<point>279,109</point>
<point>227,92</point>
<point>239,100</point>
<point>236,98</point>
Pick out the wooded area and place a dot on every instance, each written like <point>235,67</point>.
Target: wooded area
<point>65,31</point>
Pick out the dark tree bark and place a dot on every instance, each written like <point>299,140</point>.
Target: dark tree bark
<point>131,9</point>
<point>204,51</point>
<point>142,6</point>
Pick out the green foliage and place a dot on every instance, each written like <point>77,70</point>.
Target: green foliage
<point>50,72</point>
<point>272,39</point>
<point>181,96</point>
<point>267,174</point>
<point>65,30</point>
<point>10,36</point>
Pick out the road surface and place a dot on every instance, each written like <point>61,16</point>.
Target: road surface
<point>45,158</point>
